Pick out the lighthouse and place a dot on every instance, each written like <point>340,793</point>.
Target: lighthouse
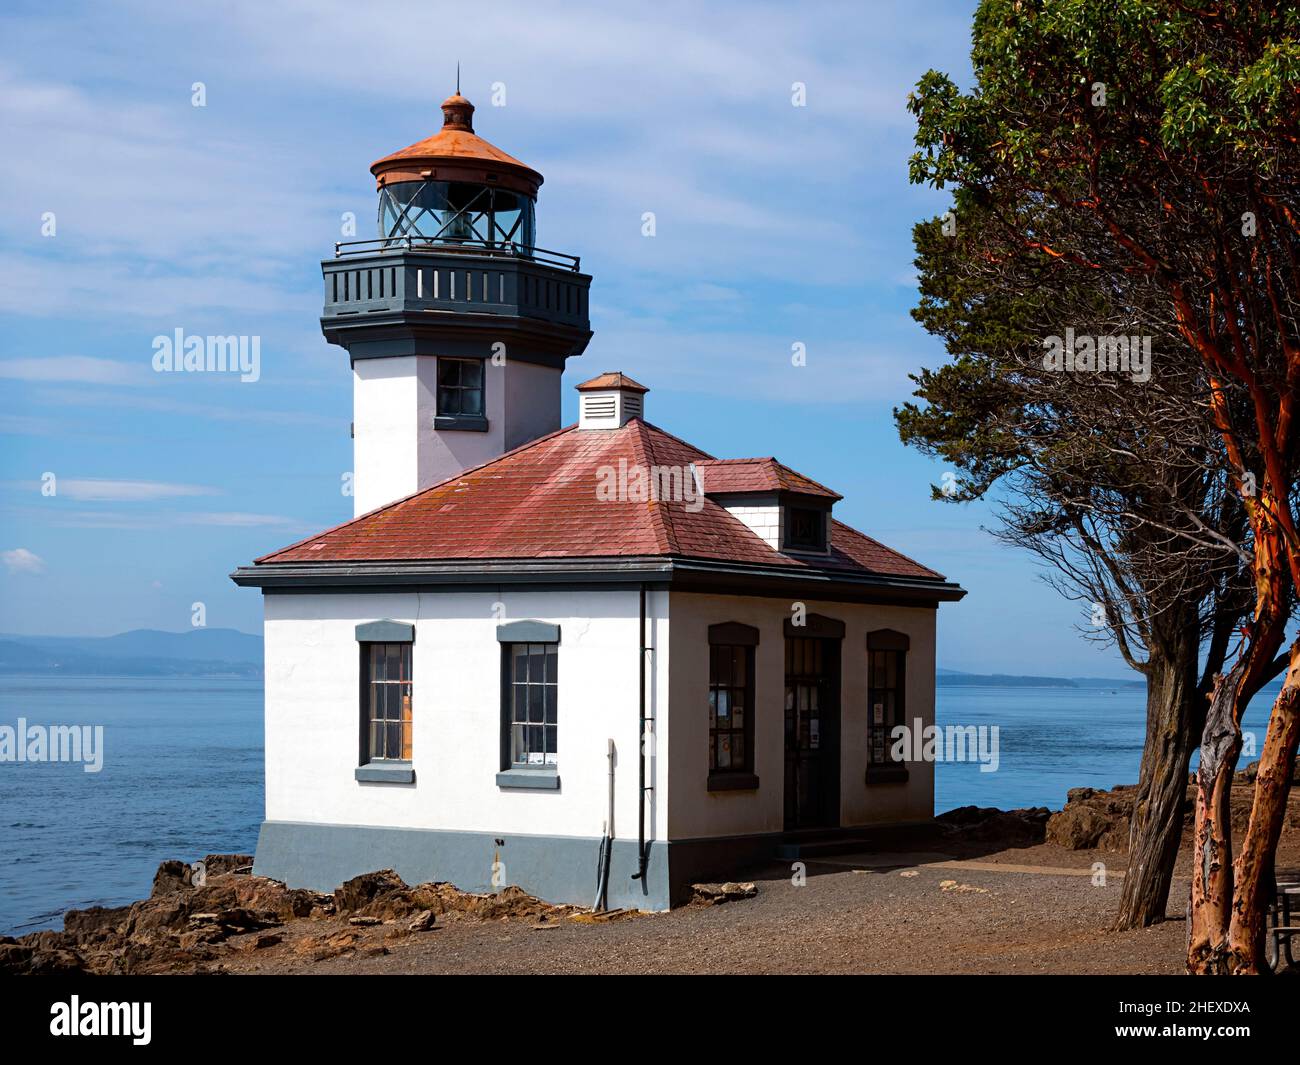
<point>456,323</point>
<point>566,655</point>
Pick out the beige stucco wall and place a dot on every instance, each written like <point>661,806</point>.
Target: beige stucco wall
<point>694,811</point>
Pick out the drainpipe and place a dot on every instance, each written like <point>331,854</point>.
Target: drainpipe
<point>606,843</point>
<point>643,856</point>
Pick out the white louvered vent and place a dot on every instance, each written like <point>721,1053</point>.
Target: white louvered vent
<point>599,406</point>
<point>609,401</point>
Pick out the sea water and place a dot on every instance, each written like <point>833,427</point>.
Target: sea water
<point>182,775</point>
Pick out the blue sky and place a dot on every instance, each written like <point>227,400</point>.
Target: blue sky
<point>775,225</point>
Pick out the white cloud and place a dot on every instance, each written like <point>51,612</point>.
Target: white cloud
<point>129,521</point>
<point>81,369</point>
<point>749,365</point>
<point>97,490</point>
<point>26,425</point>
<point>20,560</point>
<point>237,519</point>
<point>183,408</point>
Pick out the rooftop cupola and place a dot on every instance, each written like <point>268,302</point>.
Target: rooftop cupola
<point>457,326</point>
<point>610,401</point>
<point>455,188</point>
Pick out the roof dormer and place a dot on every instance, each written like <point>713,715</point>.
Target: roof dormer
<point>610,401</point>
<point>790,512</point>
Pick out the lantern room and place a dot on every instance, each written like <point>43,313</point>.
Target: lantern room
<point>454,189</point>
<point>457,326</point>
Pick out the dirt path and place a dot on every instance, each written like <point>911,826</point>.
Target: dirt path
<point>1019,911</point>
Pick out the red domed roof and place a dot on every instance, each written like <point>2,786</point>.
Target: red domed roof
<point>457,153</point>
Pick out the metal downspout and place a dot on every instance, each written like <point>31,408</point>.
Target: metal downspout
<point>643,856</point>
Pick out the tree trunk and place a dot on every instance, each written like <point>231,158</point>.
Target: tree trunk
<point>1210,949</point>
<point>1210,900</point>
<point>1175,715</point>
<point>1254,868</point>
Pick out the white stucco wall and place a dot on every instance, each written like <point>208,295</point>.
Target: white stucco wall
<point>312,685</point>
<point>312,712</point>
<point>693,810</point>
<point>532,400</point>
<point>385,443</point>
<point>396,449</point>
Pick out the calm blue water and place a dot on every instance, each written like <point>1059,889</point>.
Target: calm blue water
<point>182,776</point>
<point>1054,739</point>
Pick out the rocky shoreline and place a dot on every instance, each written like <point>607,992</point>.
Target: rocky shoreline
<point>1097,819</point>
<point>213,916</point>
<point>188,927</point>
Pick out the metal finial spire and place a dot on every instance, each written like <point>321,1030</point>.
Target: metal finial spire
<point>458,77</point>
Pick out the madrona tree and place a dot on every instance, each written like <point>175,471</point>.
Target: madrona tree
<point>1114,479</point>
<point>1163,137</point>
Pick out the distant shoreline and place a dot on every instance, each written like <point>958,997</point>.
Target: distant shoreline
<point>27,674</point>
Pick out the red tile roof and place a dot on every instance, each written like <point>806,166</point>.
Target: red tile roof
<point>727,476</point>
<point>547,499</point>
<point>612,379</point>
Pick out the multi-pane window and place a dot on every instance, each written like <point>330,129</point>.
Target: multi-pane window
<point>885,699</point>
<point>533,716</point>
<point>387,708</point>
<point>731,687</point>
<point>460,387</point>
<point>805,528</point>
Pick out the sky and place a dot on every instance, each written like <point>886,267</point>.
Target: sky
<point>187,167</point>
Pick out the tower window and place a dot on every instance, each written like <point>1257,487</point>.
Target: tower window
<point>460,388</point>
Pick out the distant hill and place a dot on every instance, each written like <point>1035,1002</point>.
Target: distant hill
<point>140,652</point>
<point>955,678</point>
<point>229,652</point>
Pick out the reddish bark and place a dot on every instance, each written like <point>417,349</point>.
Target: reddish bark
<point>1217,888</point>
<point>1254,867</point>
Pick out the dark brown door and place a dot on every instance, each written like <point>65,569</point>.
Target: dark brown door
<point>812,732</point>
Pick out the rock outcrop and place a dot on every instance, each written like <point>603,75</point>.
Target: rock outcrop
<point>1094,818</point>
<point>984,824</point>
<point>185,923</point>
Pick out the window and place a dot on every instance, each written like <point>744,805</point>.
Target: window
<point>533,717</point>
<point>386,710</point>
<point>460,388</point>
<point>805,528</point>
<point>454,212</point>
<point>886,696</point>
<point>731,706</point>
<point>886,683</point>
<point>730,703</point>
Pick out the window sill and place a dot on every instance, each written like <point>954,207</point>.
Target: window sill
<point>529,779</point>
<point>386,773</point>
<point>886,774</point>
<point>470,423</point>
<point>733,782</point>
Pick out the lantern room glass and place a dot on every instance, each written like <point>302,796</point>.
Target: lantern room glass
<point>456,212</point>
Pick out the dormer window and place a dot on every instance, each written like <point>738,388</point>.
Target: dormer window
<point>788,511</point>
<point>805,529</point>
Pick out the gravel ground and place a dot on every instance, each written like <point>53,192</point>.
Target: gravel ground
<point>862,914</point>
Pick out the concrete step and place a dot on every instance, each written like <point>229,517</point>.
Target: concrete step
<point>814,844</point>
